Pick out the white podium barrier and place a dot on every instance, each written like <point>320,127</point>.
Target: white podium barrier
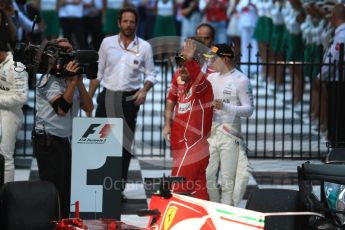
<point>96,167</point>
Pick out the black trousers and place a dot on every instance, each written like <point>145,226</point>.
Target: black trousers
<point>74,26</point>
<point>120,105</point>
<point>53,156</point>
<point>336,113</point>
<point>93,27</point>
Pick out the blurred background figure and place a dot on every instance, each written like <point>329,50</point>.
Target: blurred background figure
<point>247,21</point>
<point>29,28</point>
<point>206,34</point>
<point>233,32</point>
<point>335,84</point>
<point>147,15</point>
<point>276,50</point>
<point>92,23</point>
<point>215,14</point>
<point>164,26</point>
<point>8,33</point>
<point>319,98</point>
<point>71,22</point>
<point>294,16</point>
<point>262,33</point>
<point>26,14</point>
<point>191,17</point>
<point>111,14</point>
<point>50,18</point>
<point>165,18</point>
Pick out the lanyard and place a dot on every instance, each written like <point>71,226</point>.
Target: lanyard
<point>129,50</point>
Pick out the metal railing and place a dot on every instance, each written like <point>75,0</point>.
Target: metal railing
<point>279,127</point>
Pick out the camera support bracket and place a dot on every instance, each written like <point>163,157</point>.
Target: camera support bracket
<point>38,61</point>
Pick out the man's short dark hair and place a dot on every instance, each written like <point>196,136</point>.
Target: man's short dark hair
<point>194,38</point>
<point>213,32</point>
<point>129,10</point>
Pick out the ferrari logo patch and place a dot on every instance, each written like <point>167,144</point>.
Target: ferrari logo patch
<point>169,217</point>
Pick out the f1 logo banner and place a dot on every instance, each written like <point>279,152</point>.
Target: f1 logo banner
<point>96,166</point>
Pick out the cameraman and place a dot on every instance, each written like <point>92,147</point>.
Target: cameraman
<point>58,102</point>
<point>13,91</point>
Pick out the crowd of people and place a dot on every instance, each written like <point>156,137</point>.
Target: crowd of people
<point>300,32</point>
<point>208,94</point>
<point>293,30</point>
<point>86,22</point>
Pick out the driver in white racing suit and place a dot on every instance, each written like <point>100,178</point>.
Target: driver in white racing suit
<point>233,99</point>
<point>13,91</point>
<point>13,94</point>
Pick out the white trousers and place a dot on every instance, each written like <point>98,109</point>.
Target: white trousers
<point>229,162</point>
<point>223,158</point>
<point>10,125</point>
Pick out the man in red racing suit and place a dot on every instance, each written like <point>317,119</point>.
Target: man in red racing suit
<point>190,97</point>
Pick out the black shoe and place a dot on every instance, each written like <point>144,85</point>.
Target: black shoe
<point>27,107</point>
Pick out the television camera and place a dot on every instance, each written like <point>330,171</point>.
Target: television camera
<point>51,58</point>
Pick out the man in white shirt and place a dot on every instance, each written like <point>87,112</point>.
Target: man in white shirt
<point>233,99</point>
<point>333,76</point>
<point>123,60</point>
<point>333,49</point>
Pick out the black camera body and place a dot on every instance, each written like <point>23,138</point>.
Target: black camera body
<point>51,58</point>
